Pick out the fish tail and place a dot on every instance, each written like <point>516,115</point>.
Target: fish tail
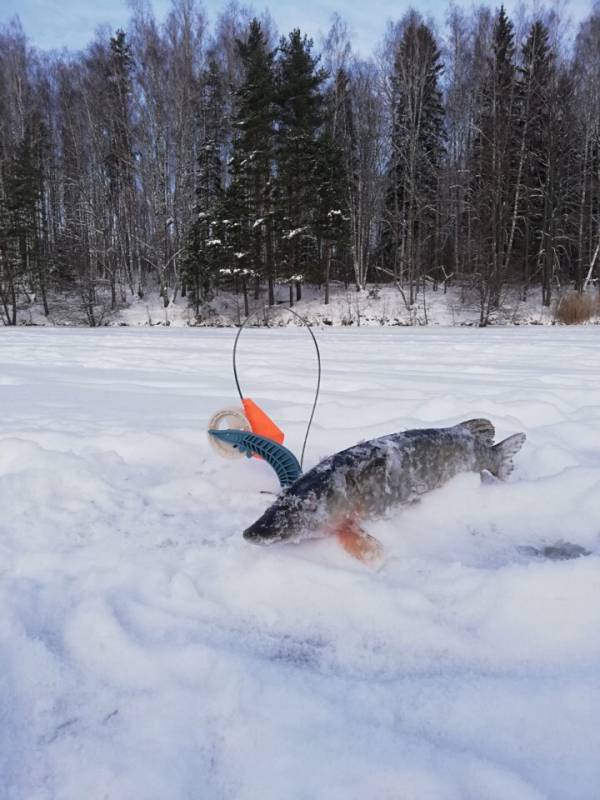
<point>503,455</point>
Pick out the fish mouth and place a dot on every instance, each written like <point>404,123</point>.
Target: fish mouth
<point>278,524</point>
<point>264,531</point>
<point>262,536</point>
<point>270,528</point>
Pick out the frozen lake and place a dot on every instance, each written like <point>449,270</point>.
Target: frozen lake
<point>149,653</point>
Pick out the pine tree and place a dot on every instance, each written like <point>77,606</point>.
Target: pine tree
<point>300,117</point>
<point>537,77</point>
<point>204,251</point>
<point>119,165</point>
<point>249,196</point>
<point>495,192</point>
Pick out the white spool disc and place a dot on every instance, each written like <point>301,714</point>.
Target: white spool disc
<point>227,418</point>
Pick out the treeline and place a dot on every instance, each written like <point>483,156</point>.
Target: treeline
<point>188,159</point>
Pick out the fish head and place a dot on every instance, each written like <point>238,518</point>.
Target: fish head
<point>289,517</point>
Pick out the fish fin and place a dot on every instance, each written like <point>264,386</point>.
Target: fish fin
<point>481,428</point>
<point>358,543</point>
<point>488,478</point>
<point>503,455</point>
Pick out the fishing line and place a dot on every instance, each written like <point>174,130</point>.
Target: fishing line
<point>266,310</point>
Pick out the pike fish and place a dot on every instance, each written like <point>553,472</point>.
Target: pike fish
<point>372,477</point>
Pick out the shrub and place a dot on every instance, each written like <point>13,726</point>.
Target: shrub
<point>574,308</point>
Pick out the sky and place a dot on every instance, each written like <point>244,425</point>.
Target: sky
<point>71,23</point>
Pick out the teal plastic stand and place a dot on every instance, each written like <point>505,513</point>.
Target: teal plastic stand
<point>283,461</point>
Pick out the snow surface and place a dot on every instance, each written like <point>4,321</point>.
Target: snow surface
<point>148,652</point>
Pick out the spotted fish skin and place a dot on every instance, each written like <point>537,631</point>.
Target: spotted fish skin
<point>372,477</point>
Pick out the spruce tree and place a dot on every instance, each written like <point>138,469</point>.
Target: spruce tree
<point>249,196</point>
<point>537,78</point>
<point>495,190</point>
<point>120,171</point>
<point>299,120</point>
<point>204,252</point>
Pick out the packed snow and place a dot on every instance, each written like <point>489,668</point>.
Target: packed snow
<point>149,652</point>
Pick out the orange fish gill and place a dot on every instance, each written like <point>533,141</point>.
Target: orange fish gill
<point>357,542</point>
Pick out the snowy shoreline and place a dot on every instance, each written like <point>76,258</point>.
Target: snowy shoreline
<point>374,307</point>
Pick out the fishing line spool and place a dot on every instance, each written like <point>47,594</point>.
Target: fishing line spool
<point>227,419</point>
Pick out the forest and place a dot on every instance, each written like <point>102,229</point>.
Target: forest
<point>186,158</point>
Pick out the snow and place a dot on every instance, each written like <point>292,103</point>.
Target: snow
<point>294,232</point>
<point>376,306</point>
<point>149,652</point>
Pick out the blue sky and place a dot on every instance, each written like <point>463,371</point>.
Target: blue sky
<point>71,23</point>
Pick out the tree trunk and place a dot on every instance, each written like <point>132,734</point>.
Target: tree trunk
<point>245,291</point>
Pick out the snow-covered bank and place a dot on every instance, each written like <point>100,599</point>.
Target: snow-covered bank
<point>148,652</point>
<point>377,306</point>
